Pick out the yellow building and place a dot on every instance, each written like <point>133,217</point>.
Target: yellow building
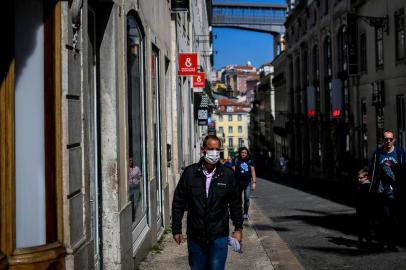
<point>232,122</point>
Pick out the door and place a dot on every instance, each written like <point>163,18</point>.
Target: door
<point>157,142</point>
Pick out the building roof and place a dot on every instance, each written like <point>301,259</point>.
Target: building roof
<point>253,78</point>
<point>237,107</point>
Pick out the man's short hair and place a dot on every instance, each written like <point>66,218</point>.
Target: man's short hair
<point>388,130</point>
<point>210,137</point>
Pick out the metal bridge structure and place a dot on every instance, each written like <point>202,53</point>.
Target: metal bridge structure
<point>267,18</point>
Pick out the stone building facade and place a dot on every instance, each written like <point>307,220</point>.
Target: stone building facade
<point>232,120</point>
<point>262,119</point>
<point>88,88</point>
<point>345,79</point>
<point>280,124</point>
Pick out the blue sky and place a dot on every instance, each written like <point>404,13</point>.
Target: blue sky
<point>235,46</point>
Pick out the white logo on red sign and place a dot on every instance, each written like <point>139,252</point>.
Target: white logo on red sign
<point>187,64</point>
<point>199,80</point>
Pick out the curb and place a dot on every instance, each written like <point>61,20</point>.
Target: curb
<point>278,251</point>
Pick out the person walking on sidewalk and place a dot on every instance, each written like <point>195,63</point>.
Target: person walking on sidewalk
<point>246,176</point>
<point>209,193</point>
<point>384,185</point>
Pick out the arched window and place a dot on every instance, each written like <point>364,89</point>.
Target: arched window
<point>136,120</point>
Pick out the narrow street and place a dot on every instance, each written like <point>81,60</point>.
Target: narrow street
<point>318,230</point>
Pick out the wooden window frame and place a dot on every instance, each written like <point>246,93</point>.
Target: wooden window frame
<point>52,253</point>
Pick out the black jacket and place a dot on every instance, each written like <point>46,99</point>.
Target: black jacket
<point>207,218</point>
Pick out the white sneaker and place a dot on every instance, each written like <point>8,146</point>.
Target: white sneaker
<point>245,216</point>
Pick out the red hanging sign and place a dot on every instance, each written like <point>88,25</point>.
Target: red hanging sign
<point>337,113</point>
<point>199,80</point>
<point>187,64</point>
<point>311,113</point>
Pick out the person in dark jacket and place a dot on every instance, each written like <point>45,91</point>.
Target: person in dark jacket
<point>209,193</point>
<point>245,174</point>
<point>384,186</point>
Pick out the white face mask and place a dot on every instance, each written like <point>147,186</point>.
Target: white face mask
<point>212,156</point>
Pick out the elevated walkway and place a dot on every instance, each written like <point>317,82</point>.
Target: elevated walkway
<point>267,18</point>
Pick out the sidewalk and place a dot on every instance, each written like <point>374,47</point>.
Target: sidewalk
<point>263,249</point>
<point>173,256</point>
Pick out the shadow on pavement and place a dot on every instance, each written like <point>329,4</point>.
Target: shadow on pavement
<point>341,222</point>
<point>342,241</point>
<point>340,192</point>
<point>267,227</point>
<point>343,251</point>
<point>338,222</point>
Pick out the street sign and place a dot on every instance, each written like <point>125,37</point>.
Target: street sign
<point>187,64</point>
<point>202,116</point>
<point>199,80</point>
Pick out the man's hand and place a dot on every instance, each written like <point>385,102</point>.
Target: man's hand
<point>254,186</point>
<point>178,238</point>
<point>238,235</point>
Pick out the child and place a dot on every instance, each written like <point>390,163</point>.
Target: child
<point>363,207</point>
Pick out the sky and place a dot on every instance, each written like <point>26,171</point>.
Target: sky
<point>237,47</point>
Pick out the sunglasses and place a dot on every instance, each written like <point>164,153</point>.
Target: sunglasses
<point>388,139</point>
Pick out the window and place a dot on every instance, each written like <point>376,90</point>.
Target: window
<point>240,142</point>
<point>239,129</point>
<point>401,120</point>
<point>35,100</point>
<point>364,131</point>
<point>230,129</point>
<point>221,131</point>
<point>305,71</point>
<point>342,49</point>
<point>314,21</point>
<point>379,47</point>
<point>229,108</point>
<point>363,52</point>
<point>156,118</point>
<point>328,67</point>
<point>400,34</point>
<point>230,117</point>
<point>30,127</point>
<point>136,182</point>
<point>239,117</point>
<point>220,118</point>
<point>316,76</point>
<point>230,142</point>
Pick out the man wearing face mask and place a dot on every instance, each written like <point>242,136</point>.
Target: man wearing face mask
<point>211,195</point>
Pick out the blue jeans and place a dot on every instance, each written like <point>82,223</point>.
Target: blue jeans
<point>214,258</point>
<point>246,189</point>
